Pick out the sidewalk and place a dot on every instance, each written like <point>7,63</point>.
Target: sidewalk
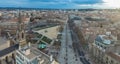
<point>67,54</point>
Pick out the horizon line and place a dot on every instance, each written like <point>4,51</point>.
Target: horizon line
<point>56,8</point>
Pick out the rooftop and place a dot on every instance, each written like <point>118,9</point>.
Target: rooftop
<point>8,50</point>
<point>115,56</point>
<point>104,39</point>
<point>33,53</point>
<point>2,40</point>
<point>4,43</point>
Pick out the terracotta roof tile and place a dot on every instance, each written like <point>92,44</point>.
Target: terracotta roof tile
<point>113,55</point>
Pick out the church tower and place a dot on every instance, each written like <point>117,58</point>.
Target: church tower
<point>21,36</point>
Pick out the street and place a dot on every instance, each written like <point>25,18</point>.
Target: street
<point>77,46</point>
<point>67,54</point>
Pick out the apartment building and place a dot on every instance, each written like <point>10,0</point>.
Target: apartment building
<point>31,55</point>
<point>105,50</point>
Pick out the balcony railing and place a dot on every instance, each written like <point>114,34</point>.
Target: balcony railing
<point>9,50</point>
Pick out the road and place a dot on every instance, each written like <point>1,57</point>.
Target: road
<point>79,52</point>
<point>71,51</point>
<point>67,54</point>
<point>78,48</point>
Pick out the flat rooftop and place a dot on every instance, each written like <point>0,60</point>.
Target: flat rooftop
<point>4,43</point>
<point>35,53</point>
<point>2,40</point>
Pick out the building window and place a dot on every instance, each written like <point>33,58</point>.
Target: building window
<point>96,43</point>
<point>13,56</point>
<point>21,58</point>
<point>22,35</point>
<point>104,47</point>
<point>112,62</point>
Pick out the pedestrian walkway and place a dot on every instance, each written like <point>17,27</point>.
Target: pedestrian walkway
<point>67,54</point>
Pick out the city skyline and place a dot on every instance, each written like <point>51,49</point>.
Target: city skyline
<point>59,36</point>
<point>62,4</point>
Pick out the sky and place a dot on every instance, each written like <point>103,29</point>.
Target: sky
<point>64,4</point>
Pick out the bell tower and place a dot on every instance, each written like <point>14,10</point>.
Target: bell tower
<point>21,36</point>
